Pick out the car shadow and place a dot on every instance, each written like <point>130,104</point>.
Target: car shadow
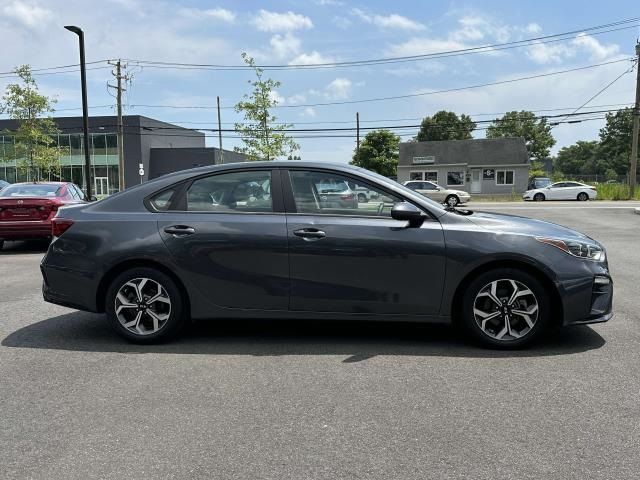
<point>30,246</point>
<point>358,340</point>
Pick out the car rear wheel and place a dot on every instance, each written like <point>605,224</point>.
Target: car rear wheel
<point>452,200</point>
<point>538,197</point>
<point>505,308</point>
<point>362,198</point>
<point>144,305</point>
<point>583,197</point>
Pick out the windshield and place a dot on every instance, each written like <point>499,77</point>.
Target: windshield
<point>31,190</point>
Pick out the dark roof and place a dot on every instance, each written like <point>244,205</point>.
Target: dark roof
<point>481,151</point>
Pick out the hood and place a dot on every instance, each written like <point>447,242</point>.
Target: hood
<point>503,223</point>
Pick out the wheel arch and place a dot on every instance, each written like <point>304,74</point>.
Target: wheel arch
<point>520,264</point>
<point>125,265</point>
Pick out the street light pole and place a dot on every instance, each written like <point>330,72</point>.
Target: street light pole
<point>85,109</point>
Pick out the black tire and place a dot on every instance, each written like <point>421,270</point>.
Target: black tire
<point>539,197</point>
<point>477,285</point>
<point>362,198</point>
<point>583,197</point>
<point>173,323</point>
<point>1,244</point>
<point>452,200</point>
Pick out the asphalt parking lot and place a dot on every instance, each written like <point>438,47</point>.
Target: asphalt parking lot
<point>300,400</point>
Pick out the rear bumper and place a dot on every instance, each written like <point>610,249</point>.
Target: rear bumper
<point>25,230</point>
<point>68,288</point>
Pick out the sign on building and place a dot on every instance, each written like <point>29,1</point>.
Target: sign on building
<point>488,174</point>
<point>424,160</point>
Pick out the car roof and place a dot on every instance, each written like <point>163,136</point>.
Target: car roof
<point>41,183</point>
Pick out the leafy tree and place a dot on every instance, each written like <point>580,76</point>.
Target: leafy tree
<point>536,169</point>
<point>615,140</point>
<point>580,158</point>
<point>611,174</point>
<point>263,138</point>
<point>536,133</point>
<point>34,147</point>
<point>445,125</point>
<point>294,157</point>
<point>378,152</point>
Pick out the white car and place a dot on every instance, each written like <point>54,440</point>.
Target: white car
<point>562,191</point>
<point>435,192</point>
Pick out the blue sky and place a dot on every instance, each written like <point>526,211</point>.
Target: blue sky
<point>321,31</point>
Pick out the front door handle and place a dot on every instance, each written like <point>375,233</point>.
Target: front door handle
<point>180,230</point>
<point>310,233</point>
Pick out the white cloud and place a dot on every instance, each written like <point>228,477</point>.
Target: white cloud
<point>393,21</point>
<point>544,53</point>
<point>220,14</point>
<point>338,89</point>
<point>533,28</point>
<point>341,22</point>
<point>597,50</point>
<point>311,59</point>
<point>28,14</point>
<point>297,99</point>
<point>285,45</point>
<point>474,28</point>
<point>332,3</point>
<point>428,68</point>
<point>267,21</point>
<point>274,96</point>
<point>308,112</point>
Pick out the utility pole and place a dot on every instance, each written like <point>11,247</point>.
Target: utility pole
<point>357,133</point>
<point>636,131</point>
<point>120,126</point>
<point>220,132</point>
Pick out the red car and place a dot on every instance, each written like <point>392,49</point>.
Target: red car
<point>26,209</point>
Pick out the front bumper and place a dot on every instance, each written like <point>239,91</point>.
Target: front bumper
<point>591,302</point>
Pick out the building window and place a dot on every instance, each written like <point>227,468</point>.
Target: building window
<point>455,178</point>
<point>415,176</point>
<point>504,177</point>
<point>431,176</point>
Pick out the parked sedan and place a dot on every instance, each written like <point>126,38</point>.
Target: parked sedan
<point>26,209</point>
<point>440,194</point>
<point>3,184</point>
<point>562,191</point>
<point>153,257</point>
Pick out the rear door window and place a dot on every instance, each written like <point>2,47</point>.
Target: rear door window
<point>248,192</point>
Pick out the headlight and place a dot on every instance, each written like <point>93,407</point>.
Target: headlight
<point>576,248</point>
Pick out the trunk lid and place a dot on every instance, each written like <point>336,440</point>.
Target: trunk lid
<point>26,209</point>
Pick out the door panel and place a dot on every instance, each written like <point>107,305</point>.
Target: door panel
<point>366,265</point>
<point>236,260</point>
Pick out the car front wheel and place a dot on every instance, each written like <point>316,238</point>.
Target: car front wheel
<point>452,200</point>
<point>538,197</point>
<point>144,305</point>
<point>505,308</point>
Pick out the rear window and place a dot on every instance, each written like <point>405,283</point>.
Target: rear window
<point>33,190</point>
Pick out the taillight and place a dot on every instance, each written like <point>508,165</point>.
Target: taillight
<point>350,196</point>
<point>60,225</point>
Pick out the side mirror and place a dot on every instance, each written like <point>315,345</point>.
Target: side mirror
<point>408,212</point>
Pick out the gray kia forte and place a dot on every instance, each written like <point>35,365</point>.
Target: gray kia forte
<point>290,240</point>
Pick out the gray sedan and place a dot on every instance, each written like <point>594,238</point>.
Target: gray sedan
<point>268,240</point>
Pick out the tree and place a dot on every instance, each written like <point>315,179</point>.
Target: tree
<point>615,140</point>
<point>378,152</point>
<point>262,138</point>
<point>34,147</point>
<point>536,169</point>
<point>446,126</point>
<point>580,158</point>
<point>536,133</point>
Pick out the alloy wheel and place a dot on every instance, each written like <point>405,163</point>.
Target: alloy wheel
<point>505,310</point>
<point>142,306</point>
<point>452,201</point>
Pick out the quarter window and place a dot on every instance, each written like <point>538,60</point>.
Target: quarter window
<point>331,194</point>
<point>248,192</point>
<point>455,178</point>
<point>162,201</point>
<point>504,177</point>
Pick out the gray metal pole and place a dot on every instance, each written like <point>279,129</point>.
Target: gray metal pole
<point>220,132</point>
<point>357,132</point>
<point>85,109</point>
<point>636,131</point>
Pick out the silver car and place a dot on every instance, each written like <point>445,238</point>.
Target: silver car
<point>435,192</point>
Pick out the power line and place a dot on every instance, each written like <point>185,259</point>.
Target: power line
<point>367,62</point>
<point>400,97</point>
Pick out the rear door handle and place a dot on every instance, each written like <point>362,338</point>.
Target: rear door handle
<point>310,233</point>
<point>180,230</point>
